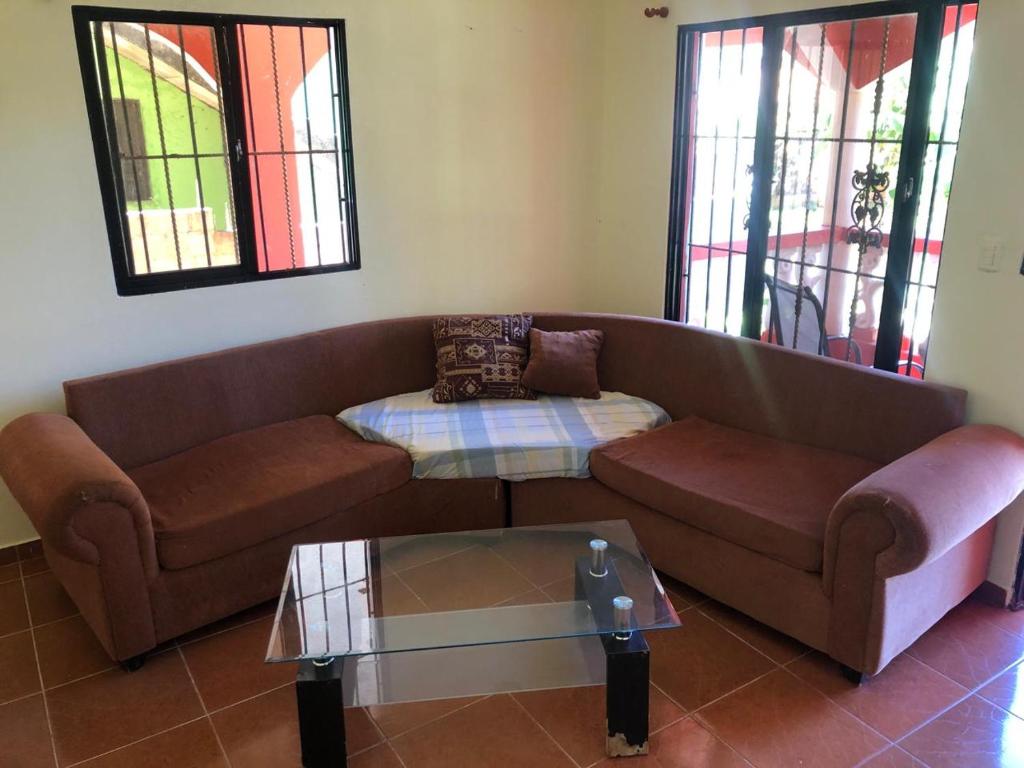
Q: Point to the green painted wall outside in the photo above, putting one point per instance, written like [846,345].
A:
[174,110]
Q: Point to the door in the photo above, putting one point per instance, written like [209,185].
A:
[800,152]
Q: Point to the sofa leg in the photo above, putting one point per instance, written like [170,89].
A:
[852,674]
[134,664]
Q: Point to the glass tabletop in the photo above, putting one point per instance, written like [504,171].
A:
[472,588]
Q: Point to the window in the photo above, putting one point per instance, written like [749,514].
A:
[813,160]
[223,145]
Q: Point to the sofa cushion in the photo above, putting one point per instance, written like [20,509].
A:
[564,363]
[246,488]
[481,357]
[765,494]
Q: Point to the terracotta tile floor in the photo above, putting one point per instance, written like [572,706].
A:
[726,691]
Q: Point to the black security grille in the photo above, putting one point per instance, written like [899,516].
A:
[943,138]
[826,158]
[223,145]
[303,163]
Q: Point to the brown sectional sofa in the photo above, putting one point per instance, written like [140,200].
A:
[846,507]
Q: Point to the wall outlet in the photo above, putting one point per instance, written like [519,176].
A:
[990,254]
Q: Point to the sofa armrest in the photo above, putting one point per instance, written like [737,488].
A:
[920,506]
[912,540]
[55,472]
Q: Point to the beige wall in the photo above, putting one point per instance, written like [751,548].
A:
[473,125]
[978,336]
[509,154]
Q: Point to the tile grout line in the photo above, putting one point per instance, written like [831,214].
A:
[432,560]
[412,591]
[376,726]
[179,643]
[39,670]
[112,667]
[247,699]
[364,750]
[136,741]
[894,742]
[40,624]
[505,603]
[202,704]
[393,751]
[476,700]
[795,676]
[681,708]
[744,641]
[389,741]
[544,730]
[384,741]
[737,689]
[24,696]
[970,693]
[977,687]
[522,575]
[882,751]
[890,742]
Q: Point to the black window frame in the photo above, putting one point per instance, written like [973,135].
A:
[928,38]
[101,125]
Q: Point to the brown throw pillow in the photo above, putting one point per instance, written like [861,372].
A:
[481,357]
[564,363]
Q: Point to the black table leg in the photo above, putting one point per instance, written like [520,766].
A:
[321,714]
[627,654]
[627,693]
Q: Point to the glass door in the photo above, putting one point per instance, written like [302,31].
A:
[838,138]
[800,154]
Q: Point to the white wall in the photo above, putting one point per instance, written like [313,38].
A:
[978,333]
[473,130]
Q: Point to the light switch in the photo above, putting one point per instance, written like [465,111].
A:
[990,254]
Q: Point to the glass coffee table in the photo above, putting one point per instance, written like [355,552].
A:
[413,618]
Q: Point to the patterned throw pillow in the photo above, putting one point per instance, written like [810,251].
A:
[481,357]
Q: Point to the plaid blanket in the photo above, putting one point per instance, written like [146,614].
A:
[511,439]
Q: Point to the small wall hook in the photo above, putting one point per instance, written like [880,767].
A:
[650,13]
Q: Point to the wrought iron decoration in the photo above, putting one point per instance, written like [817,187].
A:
[867,207]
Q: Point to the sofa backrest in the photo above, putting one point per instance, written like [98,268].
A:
[768,389]
[145,414]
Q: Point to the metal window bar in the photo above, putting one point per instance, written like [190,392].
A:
[688,274]
[830,139]
[835,270]
[347,209]
[207,155]
[309,142]
[335,94]
[131,143]
[280,138]
[785,161]
[224,141]
[323,599]
[247,84]
[863,241]
[348,606]
[940,145]
[839,168]
[300,601]
[810,180]
[163,143]
[714,178]
[732,205]
[195,146]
